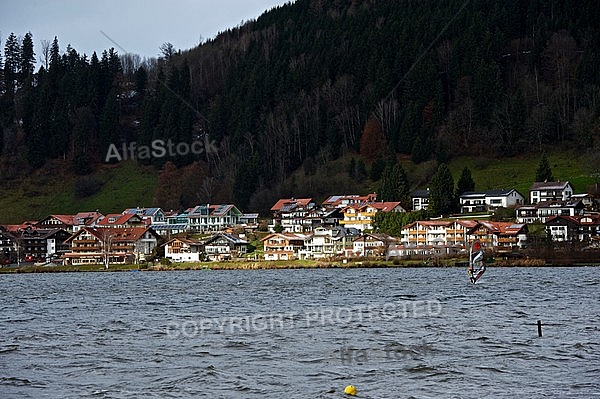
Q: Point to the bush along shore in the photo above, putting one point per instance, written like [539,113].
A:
[292,264]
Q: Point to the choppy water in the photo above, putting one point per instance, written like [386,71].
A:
[422,333]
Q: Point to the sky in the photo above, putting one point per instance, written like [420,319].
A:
[136,26]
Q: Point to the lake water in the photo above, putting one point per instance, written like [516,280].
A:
[392,333]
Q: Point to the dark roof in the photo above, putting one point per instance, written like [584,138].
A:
[488,193]
[550,185]
[420,193]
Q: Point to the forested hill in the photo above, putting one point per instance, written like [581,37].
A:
[310,81]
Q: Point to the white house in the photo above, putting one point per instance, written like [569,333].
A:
[327,242]
[482,201]
[420,200]
[542,211]
[184,250]
[372,244]
[548,191]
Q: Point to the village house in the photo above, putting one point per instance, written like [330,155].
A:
[342,201]
[550,191]
[82,219]
[452,235]
[175,223]
[500,236]
[167,230]
[208,218]
[70,223]
[360,216]
[184,250]
[370,244]
[8,246]
[420,200]
[327,242]
[564,228]
[291,215]
[541,211]
[490,200]
[589,202]
[151,216]
[249,221]
[225,246]
[122,245]
[32,244]
[65,222]
[283,246]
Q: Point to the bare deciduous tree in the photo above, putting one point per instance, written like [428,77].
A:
[45,56]
[107,237]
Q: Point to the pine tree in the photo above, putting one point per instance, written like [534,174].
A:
[394,184]
[543,172]
[465,182]
[27,57]
[54,54]
[141,80]
[12,63]
[441,192]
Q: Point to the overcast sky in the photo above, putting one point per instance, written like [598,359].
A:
[138,26]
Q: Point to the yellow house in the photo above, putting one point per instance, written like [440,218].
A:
[360,216]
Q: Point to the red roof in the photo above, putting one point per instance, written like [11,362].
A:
[118,234]
[87,217]
[67,220]
[302,202]
[385,206]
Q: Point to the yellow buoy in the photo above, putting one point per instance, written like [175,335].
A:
[350,390]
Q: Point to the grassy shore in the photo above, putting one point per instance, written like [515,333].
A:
[270,265]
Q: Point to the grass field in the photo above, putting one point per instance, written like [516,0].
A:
[53,190]
[519,172]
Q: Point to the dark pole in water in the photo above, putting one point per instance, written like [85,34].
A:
[539,328]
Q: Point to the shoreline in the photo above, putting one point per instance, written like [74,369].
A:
[284,265]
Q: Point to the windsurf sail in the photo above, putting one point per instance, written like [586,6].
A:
[476,261]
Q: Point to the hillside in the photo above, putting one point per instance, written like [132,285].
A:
[58,190]
[290,99]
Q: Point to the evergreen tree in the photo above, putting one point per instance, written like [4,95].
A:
[394,184]
[27,57]
[141,80]
[543,172]
[377,169]
[12,63]
[441,192]
[465,182]
[54,54]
